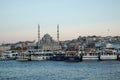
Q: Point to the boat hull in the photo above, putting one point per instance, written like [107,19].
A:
[58,58]
[90,58]
[108,57]
[37,58]
[72,59]
[22,58]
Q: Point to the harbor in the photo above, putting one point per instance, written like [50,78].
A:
[91,48]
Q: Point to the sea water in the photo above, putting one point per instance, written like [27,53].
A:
[59,70]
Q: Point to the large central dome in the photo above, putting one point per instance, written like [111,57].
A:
[47,36]
[47,39]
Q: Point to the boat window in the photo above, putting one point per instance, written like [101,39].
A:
[40,54]
[90,54]
[29,51]
[47,50]
[14,55]
[12,51]
[40,50]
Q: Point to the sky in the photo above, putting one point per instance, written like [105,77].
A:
[19,19]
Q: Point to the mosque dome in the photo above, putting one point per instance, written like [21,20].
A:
[47,36]
[47,39]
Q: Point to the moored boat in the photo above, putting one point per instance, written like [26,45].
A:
[23,57]
[58,56]
[108,55]
[48,55]
[38,54]
[9,55]
[72,56]
[90,55]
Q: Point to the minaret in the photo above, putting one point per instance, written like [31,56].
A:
[58,33]
[38,35]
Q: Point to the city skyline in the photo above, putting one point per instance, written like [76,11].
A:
[19,19]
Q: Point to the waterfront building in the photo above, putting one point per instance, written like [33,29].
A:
[112,46]
[4,47]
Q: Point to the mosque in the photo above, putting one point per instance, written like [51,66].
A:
[47,42]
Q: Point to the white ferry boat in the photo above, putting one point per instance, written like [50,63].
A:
[38,54]
[89,55]
[23,57]
[108,55]
[9,55]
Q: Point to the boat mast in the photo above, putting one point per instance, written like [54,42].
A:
[38,36]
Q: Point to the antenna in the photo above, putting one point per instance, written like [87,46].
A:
[58,33]
[38,35]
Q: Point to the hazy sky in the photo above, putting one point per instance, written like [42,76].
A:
[19,19]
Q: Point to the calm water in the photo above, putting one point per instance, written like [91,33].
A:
[49,70]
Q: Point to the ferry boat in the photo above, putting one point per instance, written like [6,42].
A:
[48,55]
[108,55]
[38,54]
[9,55]
[23,57]
[72,56]
[90,55]
[58,56]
